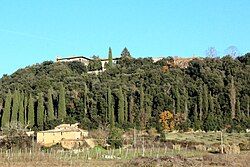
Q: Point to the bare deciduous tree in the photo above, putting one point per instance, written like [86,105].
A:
[232,51]
[211,52]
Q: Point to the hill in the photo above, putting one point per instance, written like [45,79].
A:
[210,94]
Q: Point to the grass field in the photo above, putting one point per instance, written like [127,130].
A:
[209,137]
[158,155]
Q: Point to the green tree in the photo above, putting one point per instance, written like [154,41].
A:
[120,106]
[196,121]
[125,108]
[51,115]
[62,103]
[31,115]
[177,100]
[25,109]
[115,137]
[200,102]
[238,110]
[205,101]
[125,53]
[15,106]
[131,109]
[40,110]
[21,110]
[185,95]
[248,106]
[142,115]
[110,108]
[110,57]
[148,107]
[232,92]
[6,110]
[85,98]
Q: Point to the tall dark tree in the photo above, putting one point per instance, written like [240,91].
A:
[15,106]
[125,108]
[21,109]
[31,115]
[85,98]
[232,92]
[40,110]
[25,109]
[110,57]
[50,110]
[111,108]
[177,100]
[62,103]
[248,106]
[200,102]
[120,106]
[196,121]
[239,114]
[142,116]
[205,101]
[148,107]
[185,96]
[131,109]
[6,110]
[125,53]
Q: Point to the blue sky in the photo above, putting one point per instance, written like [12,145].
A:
[35,31]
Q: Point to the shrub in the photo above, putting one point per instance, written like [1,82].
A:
[115,138]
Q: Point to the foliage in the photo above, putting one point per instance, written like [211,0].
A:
[167,121]
[115,137]
[198,94]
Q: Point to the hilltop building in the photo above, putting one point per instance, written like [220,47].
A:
[177,61]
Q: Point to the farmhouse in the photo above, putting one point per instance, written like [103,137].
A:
[64,132]
[177,61]
[82,59]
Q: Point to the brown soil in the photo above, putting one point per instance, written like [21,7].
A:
[239,160]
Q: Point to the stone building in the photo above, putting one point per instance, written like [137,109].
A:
[63,132]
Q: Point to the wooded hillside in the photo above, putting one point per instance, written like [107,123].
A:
[211,94]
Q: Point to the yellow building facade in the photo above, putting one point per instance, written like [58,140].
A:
[62,132]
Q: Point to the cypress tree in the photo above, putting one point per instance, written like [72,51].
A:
[232,92]
[248,106]
[110,57]
[125,108]
[185,93]
[15,106]
[25,109]
[177,99]
[40,110]
[200,101]
[120,107]
[61,104]
[111,109]
[131,109]
[85,98]
[238,111]
[211,103]
[142,109]
[210,121]
[6,110]
[51,115]
[196,120]
[148,108]
[205,101]
[125,53]
[21,109]
[31,116]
